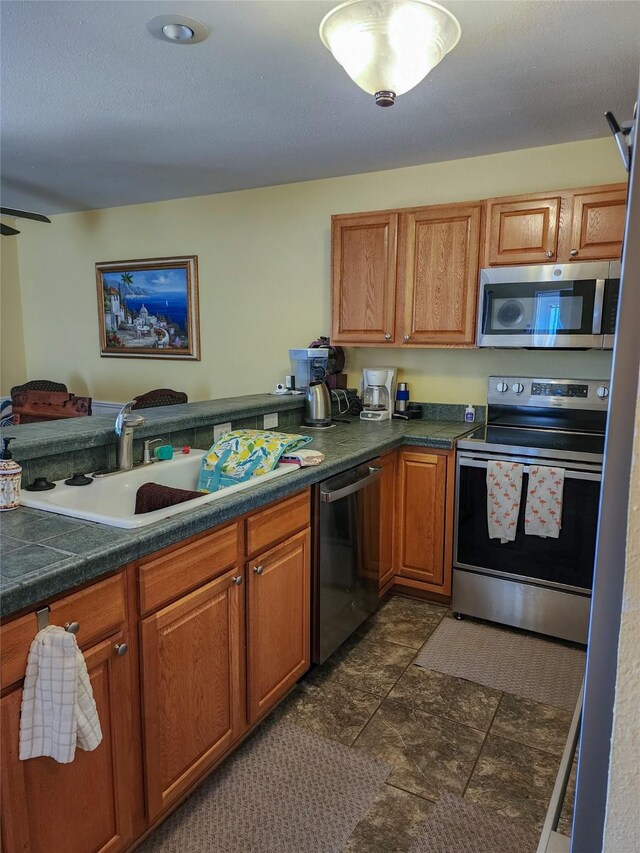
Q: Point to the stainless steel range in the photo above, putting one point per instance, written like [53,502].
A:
[539,583]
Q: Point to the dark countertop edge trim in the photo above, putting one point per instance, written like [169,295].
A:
[22,596]
[104,435]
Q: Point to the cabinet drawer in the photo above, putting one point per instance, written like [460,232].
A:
[277,521]
[175,572]
[98,609]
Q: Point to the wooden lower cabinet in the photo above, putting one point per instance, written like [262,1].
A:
[204,666]
[83,806]
[423,531]
[278,627]
[192,676]
[389,465]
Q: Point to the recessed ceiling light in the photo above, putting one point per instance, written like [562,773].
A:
[178,32]
[177,29]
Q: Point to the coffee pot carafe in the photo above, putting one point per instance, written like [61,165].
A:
[378,392]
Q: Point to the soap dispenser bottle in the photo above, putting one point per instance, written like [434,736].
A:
[10,477]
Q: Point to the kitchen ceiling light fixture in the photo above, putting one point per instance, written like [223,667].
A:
[177,29]
[388,46]
[177,32]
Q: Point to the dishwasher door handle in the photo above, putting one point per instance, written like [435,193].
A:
[372,476]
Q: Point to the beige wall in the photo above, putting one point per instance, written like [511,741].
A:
[12,357]
[622,827]
[264,277]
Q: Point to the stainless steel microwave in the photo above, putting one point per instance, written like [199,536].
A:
[564,306]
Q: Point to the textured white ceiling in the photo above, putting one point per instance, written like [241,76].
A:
[96,112]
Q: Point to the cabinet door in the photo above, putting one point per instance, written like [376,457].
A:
[191,680]
[363,289]
[440,247]
[421,517]
[597,225]
[85,806]
[389,465]
[278,629]
[522,231]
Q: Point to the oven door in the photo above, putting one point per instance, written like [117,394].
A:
[544,306]
[563,563]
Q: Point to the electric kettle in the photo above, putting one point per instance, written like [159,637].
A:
[317,405]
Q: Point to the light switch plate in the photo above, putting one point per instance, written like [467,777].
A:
[220,429]
[271,421]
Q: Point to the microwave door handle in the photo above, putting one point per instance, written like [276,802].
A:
[598,303]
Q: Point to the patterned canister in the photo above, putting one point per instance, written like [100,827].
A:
[10,477]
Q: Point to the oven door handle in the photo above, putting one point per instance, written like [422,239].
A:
[568,472]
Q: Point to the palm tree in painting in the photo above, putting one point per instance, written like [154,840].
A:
[127,279]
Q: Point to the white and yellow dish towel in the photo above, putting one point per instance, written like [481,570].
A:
[504,487]
[245,453]
[58,709]
[543,513]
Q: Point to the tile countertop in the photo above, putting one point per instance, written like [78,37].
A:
[44,554]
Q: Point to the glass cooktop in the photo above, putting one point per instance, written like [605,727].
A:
[544,440]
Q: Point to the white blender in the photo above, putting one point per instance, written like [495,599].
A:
[379,389]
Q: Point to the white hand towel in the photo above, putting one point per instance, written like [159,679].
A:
[543,513]
[58,709]
[504,488]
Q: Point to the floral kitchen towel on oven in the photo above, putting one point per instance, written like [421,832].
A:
[504,487]
[543,513]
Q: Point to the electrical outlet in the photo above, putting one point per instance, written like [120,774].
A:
[271,421]
[219,430]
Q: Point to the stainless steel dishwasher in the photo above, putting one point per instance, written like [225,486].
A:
[347,523]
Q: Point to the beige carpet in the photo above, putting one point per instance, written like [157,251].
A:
[540,670]
[285,790]
[457,826]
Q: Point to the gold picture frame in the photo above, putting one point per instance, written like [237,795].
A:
[149,308]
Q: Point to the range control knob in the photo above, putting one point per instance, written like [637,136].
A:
[501,387]
[517,387]
[602,391]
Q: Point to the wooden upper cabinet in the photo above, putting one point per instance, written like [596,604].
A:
[522,231]
[440,250]
[420,513]
[278,626]
[85,805]
[192,675]
[363,289]
[571,225]
[597,227]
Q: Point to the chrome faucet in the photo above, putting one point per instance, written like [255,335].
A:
[126,422]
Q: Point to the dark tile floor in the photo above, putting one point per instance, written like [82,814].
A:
[438,732]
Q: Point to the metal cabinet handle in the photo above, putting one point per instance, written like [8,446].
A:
[550,254]
[72,627]
[573,253]
[237,579]
[258,570]
[387,337]
[407,337]
[121,649]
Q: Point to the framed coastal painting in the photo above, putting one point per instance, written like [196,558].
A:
[149,308]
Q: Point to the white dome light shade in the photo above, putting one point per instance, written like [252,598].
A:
[389,46]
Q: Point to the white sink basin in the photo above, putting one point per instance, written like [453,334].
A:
[111,500]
